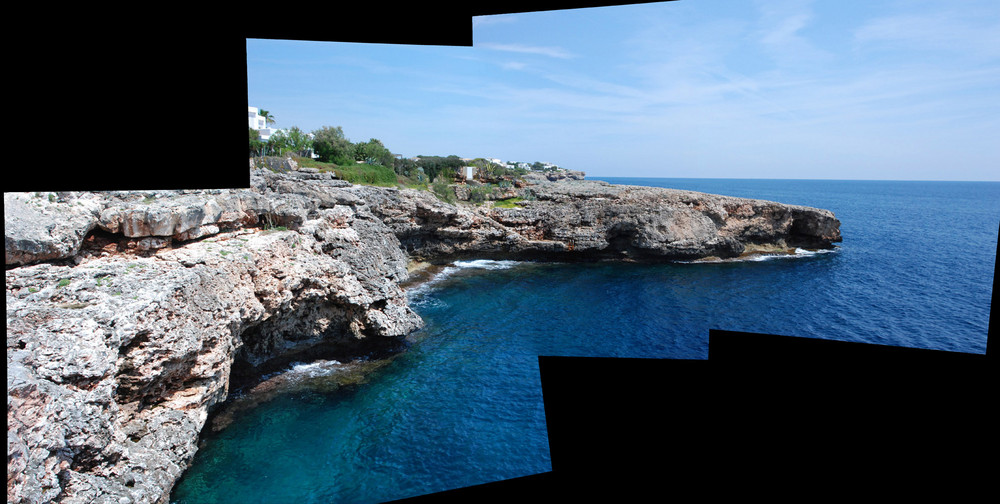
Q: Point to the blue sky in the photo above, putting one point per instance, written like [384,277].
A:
[895,90]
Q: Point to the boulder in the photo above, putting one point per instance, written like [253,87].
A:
[44,227]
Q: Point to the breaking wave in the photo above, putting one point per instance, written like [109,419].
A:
[488,264]
[761,257]
[315,369]
[418,294]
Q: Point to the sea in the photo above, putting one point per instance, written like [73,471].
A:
[463,405]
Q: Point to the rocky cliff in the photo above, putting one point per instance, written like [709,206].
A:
[131,315]
[149,307]
[576,219]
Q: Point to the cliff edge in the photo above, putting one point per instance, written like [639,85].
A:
[131,315]
[575,219]
[149,307]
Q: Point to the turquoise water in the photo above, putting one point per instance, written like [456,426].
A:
[464,406]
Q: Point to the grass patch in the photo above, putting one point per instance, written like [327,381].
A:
[362,173]
[367,174]
[508,203]
[304,162]
[413,183]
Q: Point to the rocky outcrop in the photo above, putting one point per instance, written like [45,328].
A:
[554,176]
[116,355]
[131,316]
[274,163]
[42,226]
[588,220]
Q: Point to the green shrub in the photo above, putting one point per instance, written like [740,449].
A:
[478,195]
[508,203]
[366,174]
[441,189]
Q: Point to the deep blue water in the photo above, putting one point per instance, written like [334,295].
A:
[463,405]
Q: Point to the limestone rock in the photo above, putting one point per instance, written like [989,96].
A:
[587,220]
[44,226]
[114,363]
[172,298]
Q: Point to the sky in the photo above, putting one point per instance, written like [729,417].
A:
[884,90]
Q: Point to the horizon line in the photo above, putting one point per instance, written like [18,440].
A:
[587,176]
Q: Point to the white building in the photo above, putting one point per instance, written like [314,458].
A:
[259,123]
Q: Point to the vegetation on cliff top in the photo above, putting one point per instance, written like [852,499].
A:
[372,163]
[330,145]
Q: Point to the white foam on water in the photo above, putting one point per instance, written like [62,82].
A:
[804,252]
[799,253]
[489,264]
[314,369]
[431,283]
[417,293]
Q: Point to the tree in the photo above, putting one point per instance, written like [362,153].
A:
[373,152]
[298,141]
[405,167]
[268,118]
[434,165]
[277,143]
[256,145]
[331,146]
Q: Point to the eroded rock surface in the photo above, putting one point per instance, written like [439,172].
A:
[115,358]
[131,315]
[587,220]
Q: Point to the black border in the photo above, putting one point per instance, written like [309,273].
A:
[135,101]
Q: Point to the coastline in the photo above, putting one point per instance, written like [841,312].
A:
[145,313]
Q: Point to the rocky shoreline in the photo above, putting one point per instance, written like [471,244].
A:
[132,316]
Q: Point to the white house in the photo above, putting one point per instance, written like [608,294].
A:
[469,172]
[259,123]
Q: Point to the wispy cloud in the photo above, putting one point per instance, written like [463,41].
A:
[781,33]
[513,65]
[481,21]
[552,52]
[964,32]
